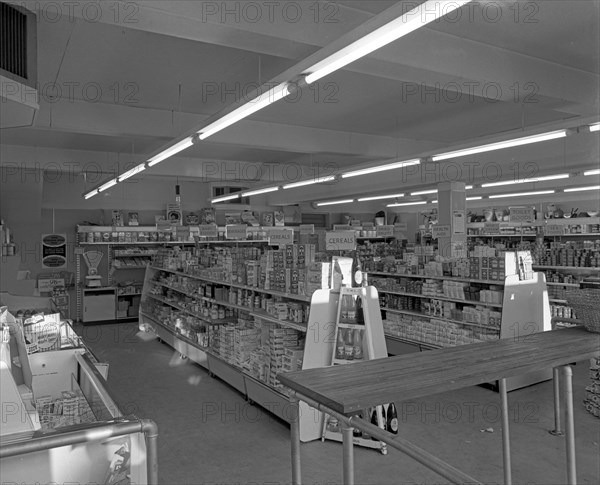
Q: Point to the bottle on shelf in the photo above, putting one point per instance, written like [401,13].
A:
[347,310]
[340,345]
[360,316]
[337,277]
[348,345]
[392,419]
[357,274]
[357,343]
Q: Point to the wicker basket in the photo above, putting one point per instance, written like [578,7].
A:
[585,304]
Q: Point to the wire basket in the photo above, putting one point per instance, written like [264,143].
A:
[585,304]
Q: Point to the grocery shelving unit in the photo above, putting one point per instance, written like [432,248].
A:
[316,353]
[127,251]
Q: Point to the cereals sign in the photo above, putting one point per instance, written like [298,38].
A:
[340,240]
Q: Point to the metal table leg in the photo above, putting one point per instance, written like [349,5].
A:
[569,425]
[295,437]
[348,454]
[557,431]
[505,433]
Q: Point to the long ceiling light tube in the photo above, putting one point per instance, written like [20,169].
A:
[581,189]
[310,182]
[592,172]
[522,194]
[477,197]
[420,202]
[594,127]
[107,185]
[334,202]
[90,194]
[260,191]
[172,150]
[381,168]
[130,173]
[225,198]
[264,99]
[379,197]
[523,181]
[551,135]
[418,17]
[424,192]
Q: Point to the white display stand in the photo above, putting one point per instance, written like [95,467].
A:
[372,349]
[525,311]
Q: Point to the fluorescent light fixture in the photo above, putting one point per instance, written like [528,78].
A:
[594,127]
[410,21]
[424,192]
[309,182]
[264,99]
[592,172]
[522,194]
[500,145]
[379,197]
[224,198]
[333,202]
[434,201]
[169,152]
[90,194]
[420,202]
[260,191]
[523,181]
[468,187]
[130,173]
[107,185]
[381,168]
[479,197]
[581,189]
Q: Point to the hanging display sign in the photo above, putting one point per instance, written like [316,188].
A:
[236,231]
[281,237]
[458,222]
[207,230]
[385,231]
[307,228]
[554,230]
[54,251]
[440,230]
[491,228]
[521,214]
[340,240]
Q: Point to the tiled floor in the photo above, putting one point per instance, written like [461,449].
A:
[208,433]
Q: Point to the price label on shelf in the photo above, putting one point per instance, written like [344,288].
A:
[207,230]
[440,230]
[281,237]
[236,231]
[554,230]
[385,231]
[491,228]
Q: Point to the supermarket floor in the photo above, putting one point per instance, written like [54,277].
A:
[208,433]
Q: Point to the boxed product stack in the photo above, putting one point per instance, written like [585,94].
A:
[246,340]
[279,340]
[258,363]
[292,359]
[455,289]
[227,343]
[317,277]
[433,288]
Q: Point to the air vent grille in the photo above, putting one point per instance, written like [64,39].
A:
[13,41]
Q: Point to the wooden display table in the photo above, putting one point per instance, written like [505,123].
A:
[343,391]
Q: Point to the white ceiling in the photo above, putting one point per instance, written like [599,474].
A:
[149,71]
